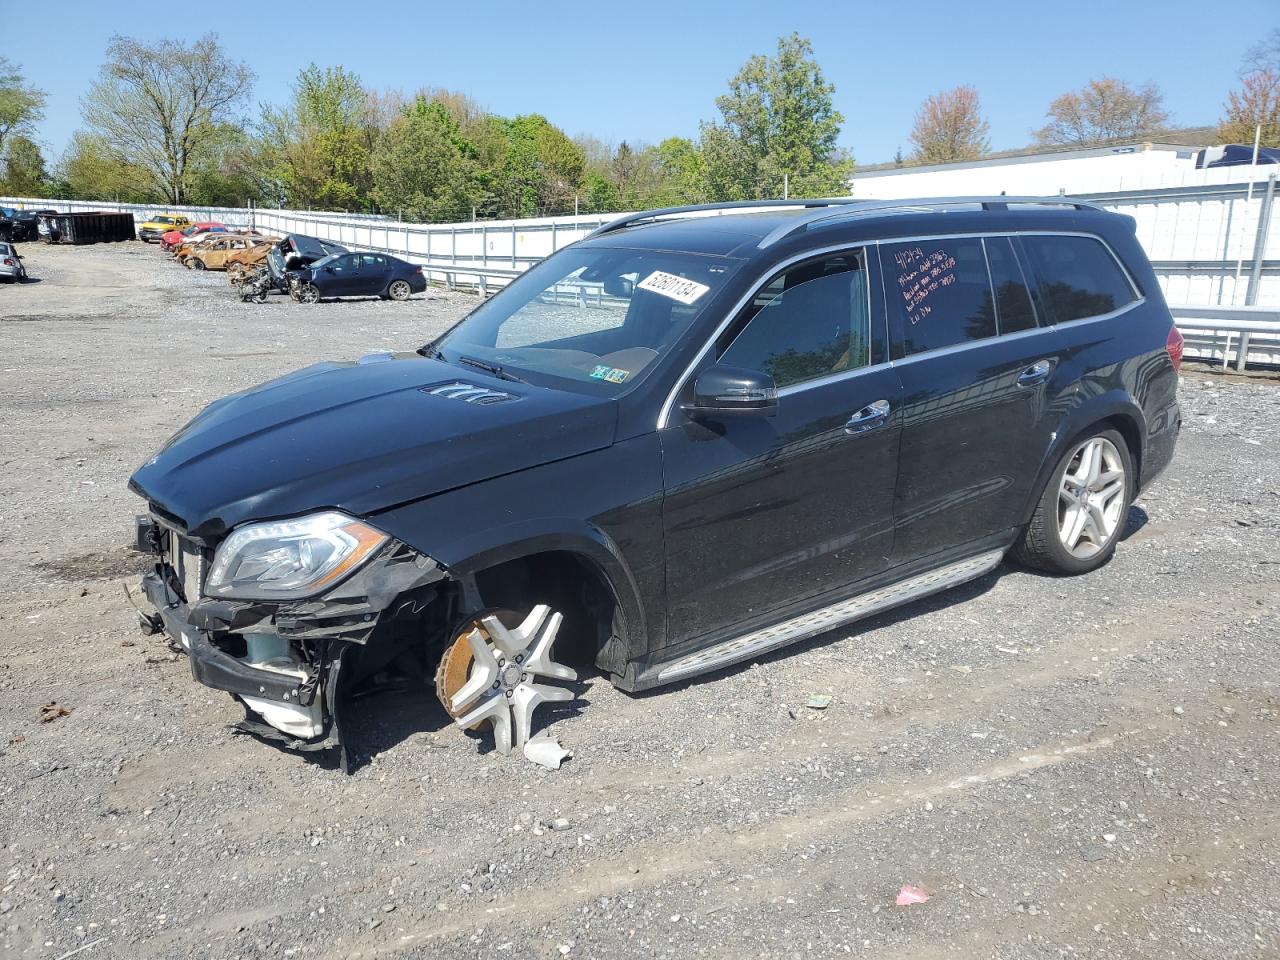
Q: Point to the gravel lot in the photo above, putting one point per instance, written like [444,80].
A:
[1081,767]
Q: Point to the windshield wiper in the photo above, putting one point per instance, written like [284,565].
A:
[492,368]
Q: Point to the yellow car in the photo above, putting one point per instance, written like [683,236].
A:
[160,224]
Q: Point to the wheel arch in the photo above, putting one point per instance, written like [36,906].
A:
[583,559]
[1116,411]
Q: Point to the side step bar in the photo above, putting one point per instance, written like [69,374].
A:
[819,621]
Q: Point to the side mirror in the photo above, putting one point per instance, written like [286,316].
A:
[329,268]
[722,390]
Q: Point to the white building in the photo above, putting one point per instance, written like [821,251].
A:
[1139,166]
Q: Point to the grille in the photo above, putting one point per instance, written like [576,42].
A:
[188,565]
[468,393]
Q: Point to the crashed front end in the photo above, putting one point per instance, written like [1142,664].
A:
[290,616]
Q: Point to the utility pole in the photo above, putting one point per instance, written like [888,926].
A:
[786,186]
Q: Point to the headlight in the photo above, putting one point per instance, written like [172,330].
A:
[290,559]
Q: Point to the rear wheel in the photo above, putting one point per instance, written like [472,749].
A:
[1082,512]
[399,290]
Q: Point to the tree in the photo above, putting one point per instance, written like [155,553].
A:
[22,173]
[542,170]
[91,171]
[1103,111]
[683,172]
[777,124]
[21,106]
[163,106]
[1256,102]
[318,147]
[950,127]
[424,167]
[1263,55]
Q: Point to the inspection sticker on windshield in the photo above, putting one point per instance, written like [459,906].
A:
[612,374]
[669,285]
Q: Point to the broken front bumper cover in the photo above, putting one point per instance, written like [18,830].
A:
[292,701]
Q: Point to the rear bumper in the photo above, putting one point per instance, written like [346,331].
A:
[1162,437]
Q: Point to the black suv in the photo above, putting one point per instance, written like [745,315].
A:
[679,443]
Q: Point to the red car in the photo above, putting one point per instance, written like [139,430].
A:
[174,237]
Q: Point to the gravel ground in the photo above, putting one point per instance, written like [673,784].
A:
[1080,767]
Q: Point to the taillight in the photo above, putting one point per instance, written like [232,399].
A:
[1173,344]
[10,263]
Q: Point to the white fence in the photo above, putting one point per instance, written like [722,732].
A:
[1210,244]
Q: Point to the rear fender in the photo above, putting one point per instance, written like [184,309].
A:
[1114,405]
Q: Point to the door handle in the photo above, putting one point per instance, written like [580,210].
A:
[1038,372]
[868,418]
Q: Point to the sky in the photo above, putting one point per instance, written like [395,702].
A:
[643,71]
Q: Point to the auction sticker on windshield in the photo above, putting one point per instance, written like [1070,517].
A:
[669,285]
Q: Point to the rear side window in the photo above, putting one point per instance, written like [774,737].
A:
[939,291]
[1014,311]
[810,322]
[1078,277]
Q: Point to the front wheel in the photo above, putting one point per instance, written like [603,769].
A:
[1082,511]
[307,293]
[197,264]
[399,290]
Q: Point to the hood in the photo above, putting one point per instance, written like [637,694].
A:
[361,437]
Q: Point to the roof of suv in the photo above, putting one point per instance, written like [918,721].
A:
[748,227]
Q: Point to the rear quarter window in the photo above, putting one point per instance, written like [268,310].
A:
[1078,277]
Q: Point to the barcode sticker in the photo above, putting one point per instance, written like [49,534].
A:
[669,285]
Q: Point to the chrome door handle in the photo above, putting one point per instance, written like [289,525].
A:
[1038,372]
[868,418]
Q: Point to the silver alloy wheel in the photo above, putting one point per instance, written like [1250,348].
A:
[501,687]
[399,290]
[308,293]
[1091,498]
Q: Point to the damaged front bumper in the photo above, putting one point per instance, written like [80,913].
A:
[287,662]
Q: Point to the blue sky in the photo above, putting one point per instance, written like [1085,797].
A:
[643,71]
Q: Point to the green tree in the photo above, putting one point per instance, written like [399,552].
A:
[777,124]
[682,171]
[599,195]
[424,167]
[542,171]
[318,147]
[21,106]
[163,107]
[22,172]
[92,171]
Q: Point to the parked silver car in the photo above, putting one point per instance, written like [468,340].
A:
[11,268]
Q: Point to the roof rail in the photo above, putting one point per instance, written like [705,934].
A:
[631,219]
[874,207]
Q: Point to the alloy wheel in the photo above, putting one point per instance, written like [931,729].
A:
[308,293]
[1091,498]
[399,290]
[491,672]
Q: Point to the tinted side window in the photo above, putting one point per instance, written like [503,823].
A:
[810,322]
[1014,311]
[939,291]
[1078,277]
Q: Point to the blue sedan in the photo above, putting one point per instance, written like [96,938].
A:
[356,275]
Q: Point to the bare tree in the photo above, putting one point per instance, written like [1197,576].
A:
[1263,55]
[1105,110]
[949,126]
[1257,102]
[20,105]
[165,106]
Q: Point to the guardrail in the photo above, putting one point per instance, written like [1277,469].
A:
[1243,322]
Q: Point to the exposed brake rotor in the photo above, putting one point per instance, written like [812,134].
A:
[490,672]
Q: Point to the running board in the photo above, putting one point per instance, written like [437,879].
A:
[819,621]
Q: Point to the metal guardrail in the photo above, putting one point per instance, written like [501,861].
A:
[1242,321]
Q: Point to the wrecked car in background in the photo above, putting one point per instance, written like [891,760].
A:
[241,263]
[673,446]
[212,254]
[156,226]
[294,252]
[173,238]
[357,275]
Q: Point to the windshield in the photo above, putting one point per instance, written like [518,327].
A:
[594,316]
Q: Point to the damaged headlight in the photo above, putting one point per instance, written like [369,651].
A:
[290,559]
